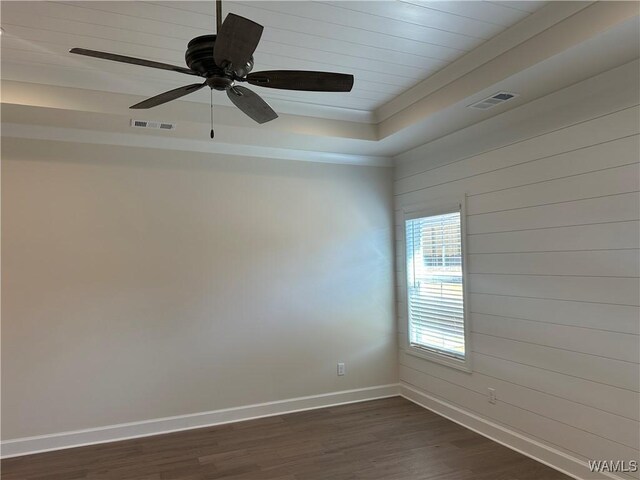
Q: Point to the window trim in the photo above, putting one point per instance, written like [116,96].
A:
[438,207]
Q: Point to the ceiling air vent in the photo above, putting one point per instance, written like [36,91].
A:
[493,100]
[152,124]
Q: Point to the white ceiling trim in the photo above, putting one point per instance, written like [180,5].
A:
[81,100]
[76,135]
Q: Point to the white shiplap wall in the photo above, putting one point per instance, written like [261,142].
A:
[553,261]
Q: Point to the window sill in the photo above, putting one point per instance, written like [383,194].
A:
[464,365]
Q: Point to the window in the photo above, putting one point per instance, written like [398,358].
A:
[435,286]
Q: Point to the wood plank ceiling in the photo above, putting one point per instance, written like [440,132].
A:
[388,45]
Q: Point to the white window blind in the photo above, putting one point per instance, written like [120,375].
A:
[435,284]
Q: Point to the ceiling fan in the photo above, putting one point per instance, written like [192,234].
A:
[226,59]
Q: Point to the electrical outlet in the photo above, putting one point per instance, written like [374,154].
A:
[492,395]
[340,369]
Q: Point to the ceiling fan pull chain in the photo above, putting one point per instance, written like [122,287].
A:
[211,107]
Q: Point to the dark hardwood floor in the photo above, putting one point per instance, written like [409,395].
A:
[390,439]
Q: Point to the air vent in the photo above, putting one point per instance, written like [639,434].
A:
[493,100]
[152,124]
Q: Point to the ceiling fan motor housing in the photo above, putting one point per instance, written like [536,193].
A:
[199,58]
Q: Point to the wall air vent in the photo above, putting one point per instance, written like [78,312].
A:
[152,124]
[493,100]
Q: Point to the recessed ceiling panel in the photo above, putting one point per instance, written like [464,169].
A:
[388,46]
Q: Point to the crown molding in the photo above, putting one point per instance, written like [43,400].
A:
[78,135]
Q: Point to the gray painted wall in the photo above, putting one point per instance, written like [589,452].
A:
[140,284]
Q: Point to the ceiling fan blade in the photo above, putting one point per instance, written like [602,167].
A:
[251,104]
[168,96]
[236,41]
[302,80]
[132,60]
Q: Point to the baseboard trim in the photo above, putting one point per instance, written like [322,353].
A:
[556,459]
[79,438]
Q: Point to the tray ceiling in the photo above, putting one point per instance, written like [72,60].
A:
[389,46]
